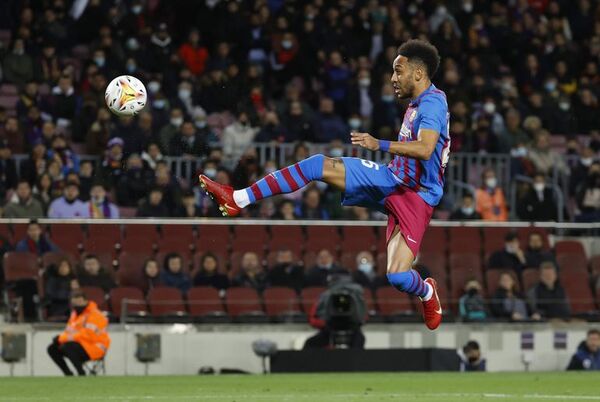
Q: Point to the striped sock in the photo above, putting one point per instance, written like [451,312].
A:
[283,181]
[410,282]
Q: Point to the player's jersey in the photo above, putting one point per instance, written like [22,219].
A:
[429,110]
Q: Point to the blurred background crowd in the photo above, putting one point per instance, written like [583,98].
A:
[521,78]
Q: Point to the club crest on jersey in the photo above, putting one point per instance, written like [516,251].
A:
[405,131]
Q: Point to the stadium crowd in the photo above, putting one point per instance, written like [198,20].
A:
[521,78]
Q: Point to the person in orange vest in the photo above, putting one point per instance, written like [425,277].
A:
[85,337]
[490,201]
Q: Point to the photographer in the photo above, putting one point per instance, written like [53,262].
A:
[339,314]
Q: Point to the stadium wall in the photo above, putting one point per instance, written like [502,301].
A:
[186,348]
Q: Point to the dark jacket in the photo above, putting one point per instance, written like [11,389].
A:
[317,276]
[57,290]
[534,258]
[178,280]
[504,259]
[44,245]
[152,211]
[531,208]
[584,359]
[549,303]
[102,280]
[503,306]
[259,282]
[287,275]
[217,280]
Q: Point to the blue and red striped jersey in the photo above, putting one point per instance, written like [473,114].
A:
[430,111]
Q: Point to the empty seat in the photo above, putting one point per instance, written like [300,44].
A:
[529,277]
[67,237]
[348,260]
[578,292]
[145,232]
[250,238]
[95,294]
[493,239]
[492,276]
[181,245]
[127,297]
[287,237]
[391,302]
[102,238]
[138,245]
[573,263]
[463,267]
[213,238]
[310,296]
[464,240]
[184,233]
[358,238]
[19,231]
[434,240]
[381,239]
[166,301]
[205,302]
[281,302]
[243,302]
[320,237]
[19,266]
[130,272]
[570,247]
[309,260]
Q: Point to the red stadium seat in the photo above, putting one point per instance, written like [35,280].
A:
[130,272]
[464,240]
[463,267]
[381,239]
[434,240]
[310,296]
[348,260]
[579,293]
[435,262]
[166,301]
[55,258]
[572,263]
[97,295]
[184,233]
[391,302]
[135,301]
[281,302]
[205,302]
[493,239]
[181,245]
[272,259]
[67,237]
[287,237]
[492,276]
[320,237]
[570,247]
[250,238]
[381,262]
[6,232]
[309,260]
[20,266]
[243,303]
[147,233]
[215,238]
[102,238]
[19,231]
[529,277]
[358,238]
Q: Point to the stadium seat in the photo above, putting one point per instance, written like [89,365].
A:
[184,233]
[56,257]
[6,232]
[309,260]
[102,238]
[250,238]
[392,303]
[571,247]
[381,239]
[463,267]
[243,305]
[287,237]
[493,240]
[434,240]
[176,245]
[19,231]
[272,258]
[464,240]
[358,238]
[281,303]
[206,304]
[529,277]
[97,295]
[348,260]
[310,296]
[320,237]
[166,301]
[435,262]
[492,277]
[381,262]
[572,262]
[138,245]
[20,266]
[67,237]
[215,238]
[579,293]
[136,305]
[130,272]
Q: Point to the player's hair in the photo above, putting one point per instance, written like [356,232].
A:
[423,52]
[594,331]
[510,236]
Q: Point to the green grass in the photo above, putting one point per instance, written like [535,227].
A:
[421,387]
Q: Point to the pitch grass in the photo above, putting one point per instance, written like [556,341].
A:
[421,387]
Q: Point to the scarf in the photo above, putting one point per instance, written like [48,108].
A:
[100,211]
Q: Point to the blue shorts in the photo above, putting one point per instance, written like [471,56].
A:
[368,184]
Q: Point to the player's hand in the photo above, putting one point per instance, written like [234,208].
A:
[365,140]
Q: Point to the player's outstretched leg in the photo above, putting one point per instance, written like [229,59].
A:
[401,275]
[286,180]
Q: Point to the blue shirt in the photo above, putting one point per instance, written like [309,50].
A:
[428,111]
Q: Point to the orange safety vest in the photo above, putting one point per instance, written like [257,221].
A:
[492,207]
[89,330]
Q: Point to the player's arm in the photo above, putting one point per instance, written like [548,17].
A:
[419,149]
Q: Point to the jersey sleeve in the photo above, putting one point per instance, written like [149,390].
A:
[433,111]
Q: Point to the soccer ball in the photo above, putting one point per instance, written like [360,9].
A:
[125,96]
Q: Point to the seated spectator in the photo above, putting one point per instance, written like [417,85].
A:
[535,255]
[43,191]
[187,142]
[133,185]
[173,275]
[93,274]
[36,241]
[317,275]
[188,208]
[237,137]
[587,356]
[113,163]
[209,274]
[548,298]
[511,256]
[329,126]
[151,274]
[286,211]
[506,303]
[86,180]
[24,205]
[538,203]
[472,305]
[59,281]
[491,203]
[152,155]
[466,211]
[311,205]
[543,157]
[153,206]
[472,358]
[286,272]
[69,205]
[252,274]
[99,207]
[588,196]
[8,170]
[366,274]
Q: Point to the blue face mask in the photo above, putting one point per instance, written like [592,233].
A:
[387,98]
[159,104]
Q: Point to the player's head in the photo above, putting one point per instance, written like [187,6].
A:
[415,65]
[593,340]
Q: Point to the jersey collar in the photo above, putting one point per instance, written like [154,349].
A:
[417,100]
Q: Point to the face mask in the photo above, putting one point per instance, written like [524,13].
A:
[131,68]
[184,94]
[98,200]
[489,107]
[99,61]
[564,106]
[366,268]
[200,123]
[210,172]
[491,182]
[387,98]
[154,86]
[132,44]
[468,7]
[587,162]
[518,152]
[19,52]
[550,86]
[472,292]
[364,82]
[336,152]
[467,210]
[159,104]
[328,266]
[538,187]
[286,44]
[354,123]
[136,9]
[473,360]
[177,121]
[79,309]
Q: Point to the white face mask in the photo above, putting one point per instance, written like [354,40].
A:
[154,86]
[177,121]
[336,152]
[491,182]
[210,172]
[184,94]
[366,268]
[587,162]
[539,186]
[354,123]
[489,107]
[364,82]
[467,210]
[200,123]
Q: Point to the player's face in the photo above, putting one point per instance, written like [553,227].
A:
[403,78]
[593,342]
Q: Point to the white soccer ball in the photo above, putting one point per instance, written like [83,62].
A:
[125,96]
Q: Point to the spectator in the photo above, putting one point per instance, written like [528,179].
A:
[330,126]
[535,255]
[548,298]
[25,205]
[193,54]
[151,274]
[164,180]
[286,211]
[153,206]
[151,156]
[511,257]
[36,241]
[587,356]
[84,339]
[99,207]
[491,203]
[471,305]
[60,151]
[43,191]
[113,163]
[544,159]
[252,274]
[466,211]
[472,358]
[209,273]
[366,274]
[8,170]
[311,205]
[63,103]
[298,124]
[11,135]
[325,266]
[69,205]
[173,273]
[86,180]
[237,137]
[588,196]
[188,208]
[133,185]
[18,65]
[506,303]
[385,112]
[93,274]
[187,142]
[59,281]
[286,272]
[538,203]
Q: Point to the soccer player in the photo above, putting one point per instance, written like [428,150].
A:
[407,189]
